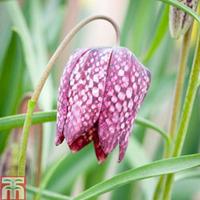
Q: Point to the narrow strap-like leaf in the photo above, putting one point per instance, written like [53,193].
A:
[15,121]
[156,168]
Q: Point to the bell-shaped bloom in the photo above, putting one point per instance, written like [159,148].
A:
[100,93]
[179,21]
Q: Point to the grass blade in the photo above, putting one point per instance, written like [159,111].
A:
[11,78]
[159,35]
[154,169]
[15,121]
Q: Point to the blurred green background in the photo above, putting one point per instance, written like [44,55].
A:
[30,31]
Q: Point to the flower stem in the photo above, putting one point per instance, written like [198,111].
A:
[186,114]
[179,84]
[176,105]
[38,149]
[25,134]
[62,46]
[38,89]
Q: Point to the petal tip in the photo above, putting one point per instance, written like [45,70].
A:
[120,159]
[58,140]
[101,156]
[101,161]
[73,151]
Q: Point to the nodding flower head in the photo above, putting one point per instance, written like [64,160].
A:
[100,93]
[179,21]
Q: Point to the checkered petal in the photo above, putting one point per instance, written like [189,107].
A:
[85,94]
[100,93]
[126,84]
[63,100]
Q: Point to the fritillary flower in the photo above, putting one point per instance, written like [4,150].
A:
[180,21]
[100,93]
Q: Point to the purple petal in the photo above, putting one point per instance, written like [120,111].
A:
[100,93]
[121,100]
[87,85]
[111,121]
[63,91]
[140,81]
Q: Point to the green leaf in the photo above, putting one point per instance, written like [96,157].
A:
[151,125]
[96,174]
[127,22]
[193,135]
[48,175]
[125,192]
[156,168]
[134,32]
[5,33]
[11,77]
[142,24]
[138,160]
[19,23]
[183,7]
[16,121]
[35,55]
[187,189]
[41,117]
[188,174]
[161,30]
[34,66]
[69,170]
[11,80]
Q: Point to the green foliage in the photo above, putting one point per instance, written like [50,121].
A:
[11,77]
[147,171]
[172,165]
[29,34]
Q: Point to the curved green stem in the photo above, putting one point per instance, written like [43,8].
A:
[37,91]
[151,125]
[62,46]
[186,114]
[15,121]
